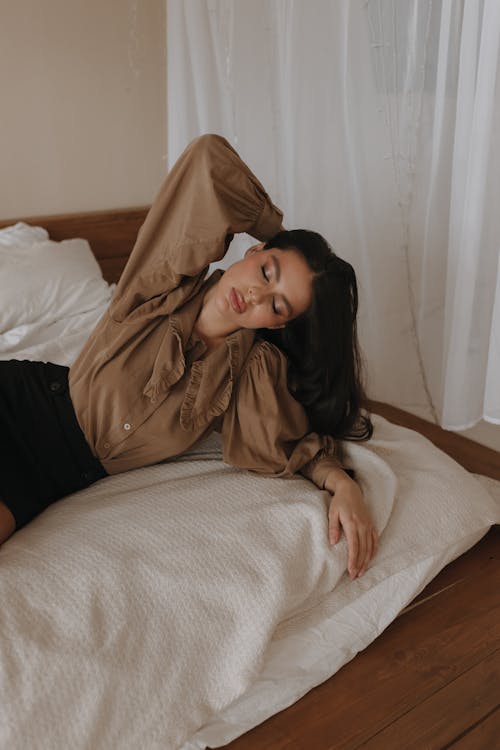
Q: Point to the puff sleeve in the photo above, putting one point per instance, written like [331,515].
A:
[266,430]
[209,195]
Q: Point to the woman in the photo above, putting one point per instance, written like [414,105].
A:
[263,353]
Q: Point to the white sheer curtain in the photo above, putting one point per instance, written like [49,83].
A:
[376,123]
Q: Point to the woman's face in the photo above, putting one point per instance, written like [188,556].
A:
[266,289]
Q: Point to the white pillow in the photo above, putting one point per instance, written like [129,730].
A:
[441,511]
[42,281]
[60,341]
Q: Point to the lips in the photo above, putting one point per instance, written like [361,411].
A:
[237,301]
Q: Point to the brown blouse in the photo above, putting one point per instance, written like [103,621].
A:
[142,389]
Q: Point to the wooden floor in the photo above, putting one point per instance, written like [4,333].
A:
[431,681]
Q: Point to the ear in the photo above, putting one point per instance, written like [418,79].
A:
[255,249]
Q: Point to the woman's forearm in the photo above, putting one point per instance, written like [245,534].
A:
[335,477]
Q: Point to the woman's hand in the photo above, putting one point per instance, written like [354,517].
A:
[348,511]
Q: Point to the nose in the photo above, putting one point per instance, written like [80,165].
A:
[254,296]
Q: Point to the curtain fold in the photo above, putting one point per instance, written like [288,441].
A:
[376,123]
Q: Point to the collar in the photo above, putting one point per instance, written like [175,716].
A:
[170,363]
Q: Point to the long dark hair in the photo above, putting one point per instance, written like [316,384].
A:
[321,345]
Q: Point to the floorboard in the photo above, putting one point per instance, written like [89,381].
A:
[481,736]
[448,713]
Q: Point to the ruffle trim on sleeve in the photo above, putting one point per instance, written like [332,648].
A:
[266,429]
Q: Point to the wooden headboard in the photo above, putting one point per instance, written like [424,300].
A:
[111,234]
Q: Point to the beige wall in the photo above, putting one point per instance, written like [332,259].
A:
[83,113]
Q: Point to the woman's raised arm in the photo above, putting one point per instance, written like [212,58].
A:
[208,196]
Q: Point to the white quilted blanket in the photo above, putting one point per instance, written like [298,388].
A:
[135,611]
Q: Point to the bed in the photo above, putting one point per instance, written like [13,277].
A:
[180,605]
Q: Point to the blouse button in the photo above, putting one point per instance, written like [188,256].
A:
[126,426]
[106,445]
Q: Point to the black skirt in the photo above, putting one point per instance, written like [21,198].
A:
[43,452]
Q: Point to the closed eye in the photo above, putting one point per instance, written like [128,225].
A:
[276,311]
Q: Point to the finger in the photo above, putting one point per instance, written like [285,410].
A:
[375,542]
[361,549]
[353,547]
[373,547]
[334,527]
[368,552]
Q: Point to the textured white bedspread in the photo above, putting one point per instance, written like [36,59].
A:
[135,611]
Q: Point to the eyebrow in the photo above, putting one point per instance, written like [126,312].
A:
[277,271]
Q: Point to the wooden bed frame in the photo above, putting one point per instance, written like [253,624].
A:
[442,661]
[111,234]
